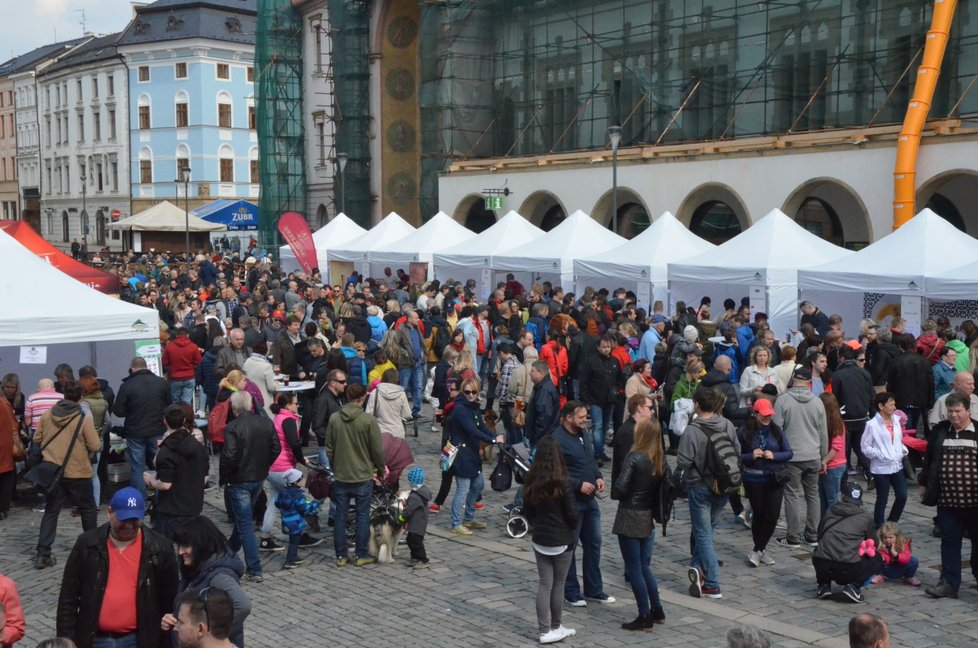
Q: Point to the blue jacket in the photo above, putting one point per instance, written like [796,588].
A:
[722,348]
[357,367]
[578,454]
[943,378]
[542,412]
[468,429]
[378,327]
[224,572]
[745,335]
[646,348]
[294,507]
[761,471]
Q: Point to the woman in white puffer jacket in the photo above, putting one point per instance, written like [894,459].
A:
[388,403]
[882,443]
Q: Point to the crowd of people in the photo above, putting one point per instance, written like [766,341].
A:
[710,408]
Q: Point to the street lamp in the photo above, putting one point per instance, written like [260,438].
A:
[185,177]
[341,160]
[84,217]
[614,134]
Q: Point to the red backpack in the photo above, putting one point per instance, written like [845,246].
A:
[217,420]
[931,346]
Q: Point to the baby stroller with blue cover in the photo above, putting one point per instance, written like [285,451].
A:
[518,456]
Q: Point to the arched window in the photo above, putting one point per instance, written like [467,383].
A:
[143,104]
[64,226]
[253,169]
[715,221]
[145,165]
[224,110]
[226,157]
[182,116]
[183,160]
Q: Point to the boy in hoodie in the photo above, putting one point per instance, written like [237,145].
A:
[180,360]
[838,556]
[181,474]
[415,517]
[356,367]
[378,327]
[294,507]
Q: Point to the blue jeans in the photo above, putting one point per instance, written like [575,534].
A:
[412,380]
[467,491]
[183,390]
[705,509]
[901,571]
[128,641]
[242,499]
[602,421]
[883,482]
[293,551]
[588,533]
[342,493]
[140,451]
[829,485]
[637,555]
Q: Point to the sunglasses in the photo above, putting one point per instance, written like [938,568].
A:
[470,392]
[860,359]
[202,597]
[341,382]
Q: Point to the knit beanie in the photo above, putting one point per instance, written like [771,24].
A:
[690,333]
[416,476]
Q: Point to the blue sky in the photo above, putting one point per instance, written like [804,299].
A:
[27,24]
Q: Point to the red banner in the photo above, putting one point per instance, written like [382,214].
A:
[295,230]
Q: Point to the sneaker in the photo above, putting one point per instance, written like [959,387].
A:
[823,591]
[766,559]
[565,632]
[479,506]
[508,508]
[912,581]
[877,579]
[43,561]
[306,541]
[298,560]
[342,562]
[811,542]
[790,544]
[602,598]
[254,577]
[38,508]
[290,565]
[413,562]
[421,564]
[366,560]
[744,519]
[269,544]
[941,590]
[853,593]
[552,636]
[575,602]
[434,508]
[461,531]
[695,582]
[474,525]
[712,592]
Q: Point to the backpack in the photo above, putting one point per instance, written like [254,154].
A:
[931,347]
[438,341]
[217,420]
[669,491]
[722,462]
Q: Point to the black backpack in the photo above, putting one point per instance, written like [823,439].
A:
[722,462]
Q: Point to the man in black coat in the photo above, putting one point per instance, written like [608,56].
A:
[601,378]
[88,609]
[543,411]
[719,378]
[853,386]
[910,379]
[141,399]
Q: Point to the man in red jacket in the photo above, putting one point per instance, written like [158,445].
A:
[181,357]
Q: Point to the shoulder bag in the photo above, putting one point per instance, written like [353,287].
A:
[46,474]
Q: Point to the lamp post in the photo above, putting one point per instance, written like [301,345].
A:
[84,217]
[341,160]
[185,177]
[614,134]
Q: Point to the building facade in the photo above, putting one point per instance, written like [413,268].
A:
[84,148]
[191,90]
[9,201]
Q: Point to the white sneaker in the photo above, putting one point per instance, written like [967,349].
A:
[551,637]
[744,519]
[754,558]
[565,632]
[766,558]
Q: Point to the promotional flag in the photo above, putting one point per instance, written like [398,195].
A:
[295,230]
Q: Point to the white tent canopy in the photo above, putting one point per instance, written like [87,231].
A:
[762,262]
[958,283]
[903,262]
[474,259]
[70,321]
[337,232]
[391,228]
[552,255]
[642,261]
[440,233]
[165,217]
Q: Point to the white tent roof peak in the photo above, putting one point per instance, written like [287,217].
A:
[166,217]
[509,232]
[577,237]
[441,232]
[391,228]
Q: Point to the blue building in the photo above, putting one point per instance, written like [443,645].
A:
[192,101]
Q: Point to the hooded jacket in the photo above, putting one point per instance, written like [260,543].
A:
[388,403]
[354,445]
[141,400]
[223,572]
[802,417]
[182,462]
[378,327]
[694,446]
[359,327]
[885,453]
[415,511]
[356,366]
[468,429]
[843,527]
[181,357]
[54,432]
[853,386]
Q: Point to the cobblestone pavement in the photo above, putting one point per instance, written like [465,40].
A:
[479,590]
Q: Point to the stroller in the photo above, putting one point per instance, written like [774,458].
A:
[518,456]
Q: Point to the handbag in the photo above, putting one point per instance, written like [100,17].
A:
[319,484]
[46,474]
[781,475]
[908,470]
[448,454]
[502,475]
[20,453]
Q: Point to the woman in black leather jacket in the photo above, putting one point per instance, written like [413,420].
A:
[550,506]
[637,492]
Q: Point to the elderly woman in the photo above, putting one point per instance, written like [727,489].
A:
[641,380]
[758,374]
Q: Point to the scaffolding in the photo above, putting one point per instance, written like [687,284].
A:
[278,57]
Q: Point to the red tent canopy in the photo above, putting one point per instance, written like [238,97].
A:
[26,236]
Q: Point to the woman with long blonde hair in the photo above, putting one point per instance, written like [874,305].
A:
[637,490]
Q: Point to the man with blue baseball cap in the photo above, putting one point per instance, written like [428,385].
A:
[119,581]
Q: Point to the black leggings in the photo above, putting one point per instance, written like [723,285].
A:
[765,501]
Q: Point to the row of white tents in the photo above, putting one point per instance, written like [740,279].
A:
[774,262]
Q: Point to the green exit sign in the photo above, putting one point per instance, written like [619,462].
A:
[494,202]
